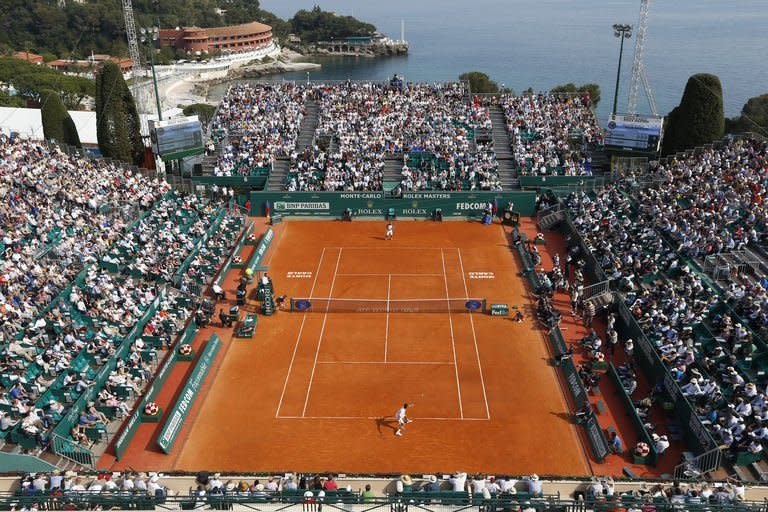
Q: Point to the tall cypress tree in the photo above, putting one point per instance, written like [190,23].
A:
[57,123]
[699,119]
[117,121]
[53,113]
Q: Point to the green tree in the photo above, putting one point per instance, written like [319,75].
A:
[53,113]
[571,88]
[479,82]
[753,118]
[318,25]
[71,136]
[164,56]
[117,121]
[6,100]
[31,80]
[699,119]
[57,123]
[203,111]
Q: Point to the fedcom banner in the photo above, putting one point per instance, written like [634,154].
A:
[377,204]
[177,415]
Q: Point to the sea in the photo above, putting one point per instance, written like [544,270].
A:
[543,43]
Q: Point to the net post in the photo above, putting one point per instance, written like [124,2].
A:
[292,305]
[485,308]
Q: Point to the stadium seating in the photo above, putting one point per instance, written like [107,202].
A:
[254,124]
[548,132]
[650,240]
[74,361]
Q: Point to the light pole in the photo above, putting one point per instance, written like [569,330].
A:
[623,32]
[149,36]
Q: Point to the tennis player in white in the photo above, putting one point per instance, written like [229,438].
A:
[390,235]
[402,418]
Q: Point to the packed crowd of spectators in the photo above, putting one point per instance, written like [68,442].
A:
[58,332]
[544,128]
[462,171]
[62,204]
[162,240]
[677,494]
[642,237]
[317,170]
[260,122]
[61,485]
[372,120]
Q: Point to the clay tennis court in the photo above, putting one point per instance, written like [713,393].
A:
[317,390]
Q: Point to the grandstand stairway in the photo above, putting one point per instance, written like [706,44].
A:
[279,174]
[601,164]
[503,149]
[306,138]
[308,125]
[333,145]
[392,173]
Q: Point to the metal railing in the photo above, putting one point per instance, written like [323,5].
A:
[698,467]
[596,290]
[623,165]
[70,450]
[441,501]
[545,212]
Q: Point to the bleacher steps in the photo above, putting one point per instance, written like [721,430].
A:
[279,174]
[501,141]
[503,149]
[308,125]
[600,163]
[393,171]
[551,220]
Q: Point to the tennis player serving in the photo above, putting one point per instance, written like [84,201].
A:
[402,418]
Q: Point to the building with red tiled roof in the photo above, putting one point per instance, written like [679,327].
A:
[29,57]
[93,62]
[232,39]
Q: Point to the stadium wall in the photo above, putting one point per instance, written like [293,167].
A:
[378,204]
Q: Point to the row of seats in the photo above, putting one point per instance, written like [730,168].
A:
[712,340]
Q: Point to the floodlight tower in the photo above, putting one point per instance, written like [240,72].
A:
[137,71]
[638,65]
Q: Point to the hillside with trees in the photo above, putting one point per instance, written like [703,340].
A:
[33,82]
[318,25]
[78,29]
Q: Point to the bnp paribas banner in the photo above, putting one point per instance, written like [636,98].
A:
[410,204]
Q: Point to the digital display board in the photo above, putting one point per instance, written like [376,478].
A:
[634,133]
[177,138]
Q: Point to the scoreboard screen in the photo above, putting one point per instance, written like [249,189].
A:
[177,138]
[634,133]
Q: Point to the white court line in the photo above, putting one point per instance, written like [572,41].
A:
[396,275]
[274,249]
[453,340]
[474,338]
[298,336]
[386,331]
[393,247]
[320,338]
[417,419]
[444,363]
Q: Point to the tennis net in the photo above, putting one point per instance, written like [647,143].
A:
[339,305]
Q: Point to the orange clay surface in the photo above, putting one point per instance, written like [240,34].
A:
[318,391]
